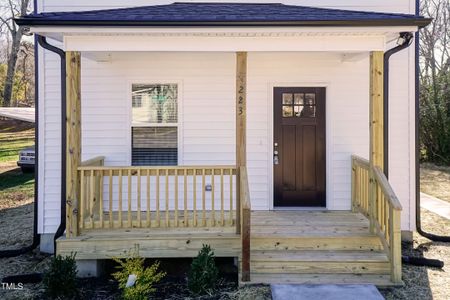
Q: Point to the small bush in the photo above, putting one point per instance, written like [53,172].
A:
[203,274]
[145,277]
[60,280]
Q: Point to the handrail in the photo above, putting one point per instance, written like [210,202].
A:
[95,161]
[373,196]
[387,188]
[245,223]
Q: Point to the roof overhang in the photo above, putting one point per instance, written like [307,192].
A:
[349,39]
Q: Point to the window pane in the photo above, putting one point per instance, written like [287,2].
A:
[299,99]
[287,98]
[155,146]
[287,111]
[154,103]
[310,99]
[298,110]
[308,111]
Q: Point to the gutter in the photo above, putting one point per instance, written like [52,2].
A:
[407,39]
[36,236]
[62,225]
[430,236]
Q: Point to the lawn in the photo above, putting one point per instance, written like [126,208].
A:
[16,188]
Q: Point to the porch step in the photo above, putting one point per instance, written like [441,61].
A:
[316,241]
[319,262]
[316,247]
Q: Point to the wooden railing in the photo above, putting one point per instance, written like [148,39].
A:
[245,223]
[373,196]
[145,197]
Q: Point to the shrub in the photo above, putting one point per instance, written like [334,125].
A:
[203,274]
[60,280]
[145,278]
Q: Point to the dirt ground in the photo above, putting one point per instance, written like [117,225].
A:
[435,181]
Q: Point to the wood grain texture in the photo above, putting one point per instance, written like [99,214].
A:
[73,140]
[241,125]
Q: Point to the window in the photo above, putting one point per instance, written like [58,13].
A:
[299,105]
[154,126]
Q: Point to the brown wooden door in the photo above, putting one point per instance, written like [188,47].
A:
[299,146]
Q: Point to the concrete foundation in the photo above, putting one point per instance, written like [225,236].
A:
[46,243]
[89,268]
[407,236]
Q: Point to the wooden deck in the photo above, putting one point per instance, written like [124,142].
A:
[286,246]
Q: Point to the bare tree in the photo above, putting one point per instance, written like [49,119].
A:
[435,81]
[10,10]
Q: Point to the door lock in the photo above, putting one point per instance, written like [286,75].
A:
[276,159]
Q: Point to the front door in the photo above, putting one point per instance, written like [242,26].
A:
[299,146]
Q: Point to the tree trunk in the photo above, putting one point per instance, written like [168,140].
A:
[12,62]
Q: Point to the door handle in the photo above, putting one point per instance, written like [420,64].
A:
[276,159]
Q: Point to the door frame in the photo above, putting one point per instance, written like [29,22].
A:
[328,142]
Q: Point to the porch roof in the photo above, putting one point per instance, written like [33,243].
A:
[222,14]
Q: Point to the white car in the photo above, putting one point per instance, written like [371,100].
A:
[26,159]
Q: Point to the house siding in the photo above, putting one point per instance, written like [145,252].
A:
[208,87]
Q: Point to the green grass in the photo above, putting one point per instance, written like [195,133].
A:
[14,136]
[15,186]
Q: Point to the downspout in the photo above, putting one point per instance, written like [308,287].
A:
[36,237]
[406,42]
[433,237]
[62,225]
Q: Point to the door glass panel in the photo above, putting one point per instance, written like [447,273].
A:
[310,99]
[298,110]
[287,98]
[309,111]
[299,99]
[287,111]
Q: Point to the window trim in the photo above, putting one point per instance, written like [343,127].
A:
[179,124]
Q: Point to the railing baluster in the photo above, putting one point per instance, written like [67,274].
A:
[195,195]
[203,199]
[91,197]
[222,216]
[110,191]
[231,197]
[167,199]
[176,198]
[139,198]
[158,217]
[213,213]
[130,224]
[186,224]
[100,198]
[82,198]
[149,221]
[120,198]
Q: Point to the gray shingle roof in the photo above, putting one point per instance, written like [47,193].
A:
[211,14]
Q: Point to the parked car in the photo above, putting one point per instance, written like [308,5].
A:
[26,159]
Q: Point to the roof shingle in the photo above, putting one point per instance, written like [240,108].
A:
[191,14]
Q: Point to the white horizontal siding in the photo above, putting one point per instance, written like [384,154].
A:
[208,88]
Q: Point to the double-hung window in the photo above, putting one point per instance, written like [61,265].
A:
[154,126]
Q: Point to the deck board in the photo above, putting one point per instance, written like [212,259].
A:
[286,246]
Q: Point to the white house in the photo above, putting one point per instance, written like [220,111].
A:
[179,113]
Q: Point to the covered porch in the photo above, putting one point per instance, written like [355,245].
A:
[170,211]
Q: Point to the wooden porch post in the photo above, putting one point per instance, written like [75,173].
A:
[376,155]
[73,140]
[241,126]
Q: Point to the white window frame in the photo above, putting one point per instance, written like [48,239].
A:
[178,124]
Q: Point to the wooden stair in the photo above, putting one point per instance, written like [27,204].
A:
[315,247]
